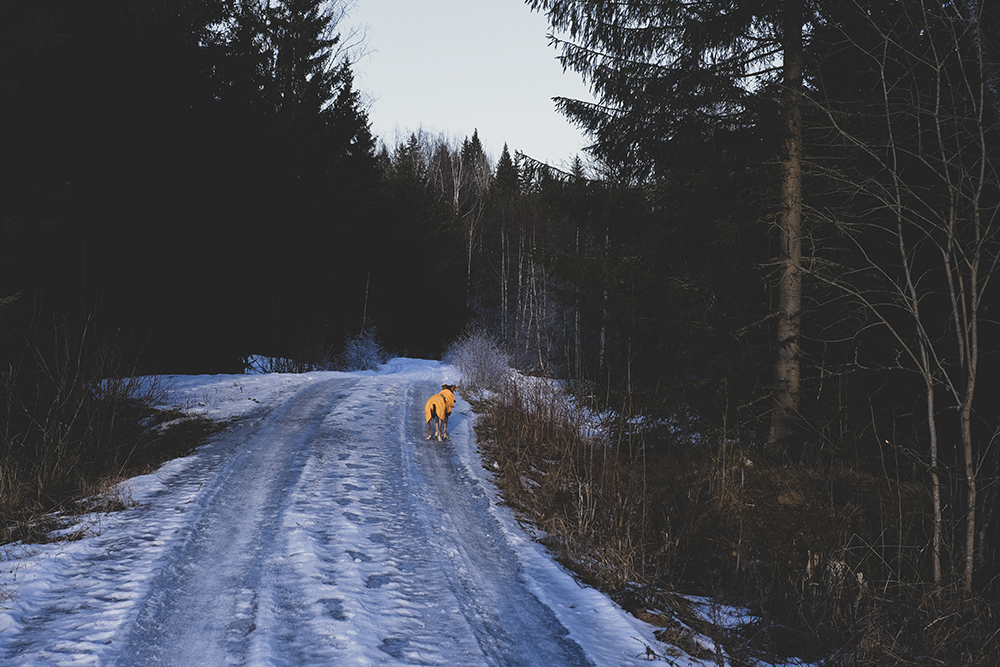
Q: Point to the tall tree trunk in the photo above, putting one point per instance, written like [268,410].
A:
[577,341]
[504,263]
[786,367]
[971,488]
[934,462]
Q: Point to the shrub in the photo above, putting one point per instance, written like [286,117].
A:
[308,357]
[72,413]
[261,365]
[362,352]
[484,365]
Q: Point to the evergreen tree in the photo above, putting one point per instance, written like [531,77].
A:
[507,180]
[685,88]
[417,261]
[143,134]
[99,129]
[301,39]
[477,171]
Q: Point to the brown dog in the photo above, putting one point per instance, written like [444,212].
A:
[438,409]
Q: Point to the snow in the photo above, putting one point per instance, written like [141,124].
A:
[318,528]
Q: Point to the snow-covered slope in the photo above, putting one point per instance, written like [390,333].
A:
[320,528]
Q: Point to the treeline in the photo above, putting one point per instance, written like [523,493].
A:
[783,250]
[201,177]
[788,238]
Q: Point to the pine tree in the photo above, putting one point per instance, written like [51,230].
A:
[507,181]
[302,40]
[478,173]
[673,77]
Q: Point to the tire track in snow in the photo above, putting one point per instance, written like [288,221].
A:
[360,535]
[510,624]
[326,532]
[205,606]
[100,587]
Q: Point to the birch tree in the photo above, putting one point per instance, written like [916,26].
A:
[463,176]
[928,187]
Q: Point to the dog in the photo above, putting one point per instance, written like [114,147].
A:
[438,409]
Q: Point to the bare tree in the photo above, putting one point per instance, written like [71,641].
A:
[932,191]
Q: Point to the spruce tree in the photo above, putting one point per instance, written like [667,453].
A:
[507,181]
[674,79]
[302,42]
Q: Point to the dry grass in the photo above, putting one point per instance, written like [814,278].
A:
[31,517]
[831,562]
[75,419]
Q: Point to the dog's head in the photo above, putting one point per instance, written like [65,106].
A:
[450,387]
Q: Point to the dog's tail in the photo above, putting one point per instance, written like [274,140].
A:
[432,408]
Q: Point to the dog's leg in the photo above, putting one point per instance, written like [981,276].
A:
[432,419]
[444,427]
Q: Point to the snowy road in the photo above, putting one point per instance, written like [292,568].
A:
[319,529]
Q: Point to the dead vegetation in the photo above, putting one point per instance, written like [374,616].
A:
[829,564]
[75,419]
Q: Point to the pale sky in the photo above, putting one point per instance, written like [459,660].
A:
[453,66]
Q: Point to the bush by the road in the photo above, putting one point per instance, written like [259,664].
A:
[483,363]
[363,352]
[75,417]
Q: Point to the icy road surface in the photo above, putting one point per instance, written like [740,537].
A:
[318,529]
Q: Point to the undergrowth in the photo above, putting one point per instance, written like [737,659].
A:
[75,419]
[827,564]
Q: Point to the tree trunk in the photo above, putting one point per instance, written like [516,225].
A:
[971,491]
[934,463]
[786,367]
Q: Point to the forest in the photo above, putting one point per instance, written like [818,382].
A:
[775,266]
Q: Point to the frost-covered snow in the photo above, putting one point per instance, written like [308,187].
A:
[319,528]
